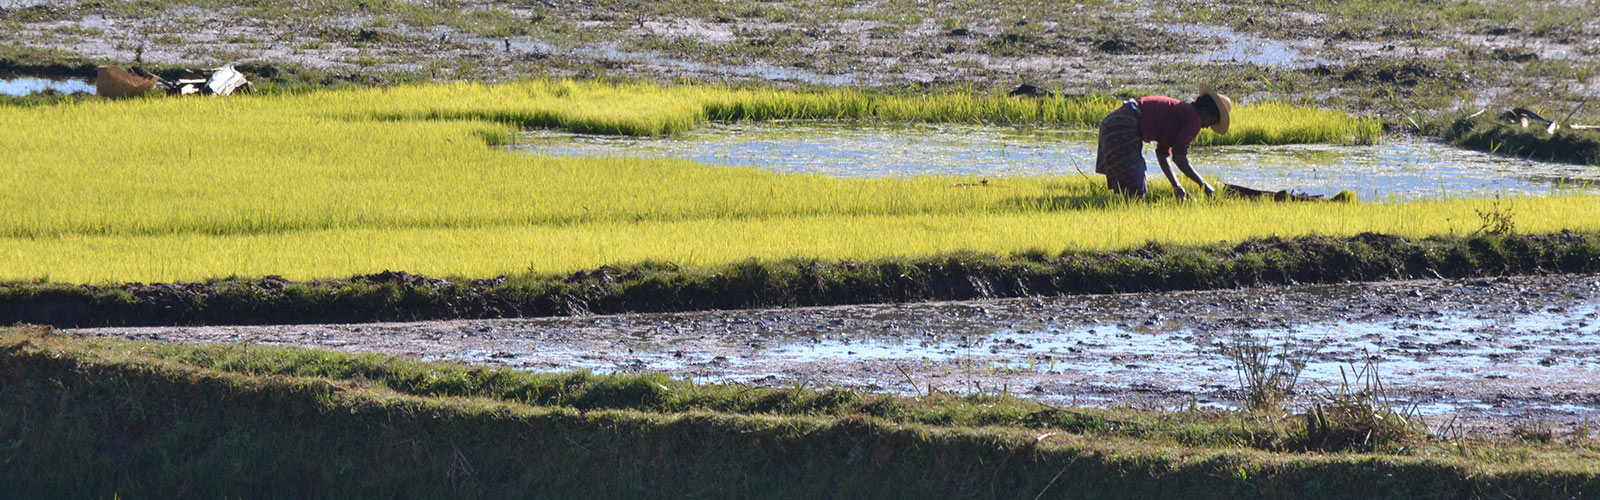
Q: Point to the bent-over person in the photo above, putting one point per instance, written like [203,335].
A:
[1170,123]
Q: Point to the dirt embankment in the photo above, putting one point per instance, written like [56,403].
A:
[396,296]
[87,421]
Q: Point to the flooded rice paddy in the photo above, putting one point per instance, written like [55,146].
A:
[1397,168]
[1478,352]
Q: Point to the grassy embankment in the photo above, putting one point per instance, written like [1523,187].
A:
[97,417]
[655,286]
[1486,133]
[338,183]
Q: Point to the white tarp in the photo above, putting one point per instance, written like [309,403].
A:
[225,80]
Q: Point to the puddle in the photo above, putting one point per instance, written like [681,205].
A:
[753,70]
[1522,357]
[16,85]
[1506,351]
[1399,167]
[1249,49]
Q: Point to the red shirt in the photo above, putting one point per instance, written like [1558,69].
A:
[1171,123]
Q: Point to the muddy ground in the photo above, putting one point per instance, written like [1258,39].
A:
[1390,56]
[1481,356]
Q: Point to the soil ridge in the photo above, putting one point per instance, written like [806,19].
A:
[666,287]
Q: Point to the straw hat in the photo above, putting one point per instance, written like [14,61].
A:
[1224,106]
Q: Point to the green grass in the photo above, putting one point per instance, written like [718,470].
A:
[401,178]
[644,109]
[340,183]
[1485,133]
[479,251]
[94,417]
[656,286]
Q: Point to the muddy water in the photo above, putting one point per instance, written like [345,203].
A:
[678,66]
[1480,352]
[1399,167]
[15,85]
[1243,48]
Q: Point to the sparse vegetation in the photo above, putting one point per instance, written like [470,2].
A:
[1267,375]
[1358,414]
[1497,219]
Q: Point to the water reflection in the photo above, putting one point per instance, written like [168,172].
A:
[1399,167]
[24,85]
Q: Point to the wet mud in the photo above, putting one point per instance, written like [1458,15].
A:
[1480,356]
[1076,47]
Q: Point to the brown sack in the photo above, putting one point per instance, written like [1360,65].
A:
[114,82]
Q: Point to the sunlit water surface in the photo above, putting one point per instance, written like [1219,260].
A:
[1397,167]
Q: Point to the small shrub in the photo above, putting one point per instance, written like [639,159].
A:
[1497,219]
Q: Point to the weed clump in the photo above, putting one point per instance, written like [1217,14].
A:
[1352,425]
[1267,376]
[1359,415]
[1497,219]
[1534,432]
[1354,416]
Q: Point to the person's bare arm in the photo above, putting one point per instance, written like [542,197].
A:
[1177,188]
[1183,165]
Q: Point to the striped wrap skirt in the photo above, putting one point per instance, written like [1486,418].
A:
[1121,152]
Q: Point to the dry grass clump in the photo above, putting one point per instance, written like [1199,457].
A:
[1356,415]
[1359,415]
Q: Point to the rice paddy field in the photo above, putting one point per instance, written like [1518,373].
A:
[797,249]
[337,183]
[439,201]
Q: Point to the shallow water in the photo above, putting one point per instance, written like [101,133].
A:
[24,85]
[1250,49]
[1549,342]
[667,63]
[1399,167]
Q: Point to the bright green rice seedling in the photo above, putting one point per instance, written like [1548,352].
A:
[336,183]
